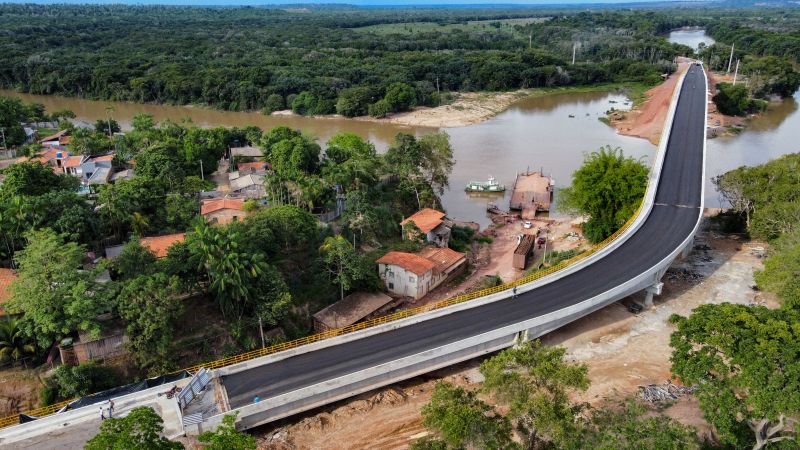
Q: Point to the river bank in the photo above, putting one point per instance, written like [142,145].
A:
[470,108]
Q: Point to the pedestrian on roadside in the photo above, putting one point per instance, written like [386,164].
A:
[514,292]
[110,409]
[102,414]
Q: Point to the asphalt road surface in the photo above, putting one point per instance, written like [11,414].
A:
[670,222]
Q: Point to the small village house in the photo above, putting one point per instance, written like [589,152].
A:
[353,308]
[159,245]
[247,185]
[432,224]
[247,151]
[110,343]
[257,168]
[223,210]
[59,139]
[414,275]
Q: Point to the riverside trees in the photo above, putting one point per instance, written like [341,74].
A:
[278,60]
[746,359]
[607,188]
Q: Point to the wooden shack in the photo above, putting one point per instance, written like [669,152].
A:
[355,307]
[524,251]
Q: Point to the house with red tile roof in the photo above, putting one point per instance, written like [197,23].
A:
[161,244]
[258,167]
[432,223]
[223,210]
[7,276]
[54,156]
[414,275]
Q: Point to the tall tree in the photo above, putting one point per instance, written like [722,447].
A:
[607,188]
[535,382]
[628,426]
[14,345]
[143,428]
[746,364]
[53,292]
[33,178]
[342,262]
[437,160]
[150,306]
[461,420]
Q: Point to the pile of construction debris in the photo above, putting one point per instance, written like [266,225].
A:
[683,274]
[655,393]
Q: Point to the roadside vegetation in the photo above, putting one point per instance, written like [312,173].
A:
[525,403]
[607,189]
[264,273]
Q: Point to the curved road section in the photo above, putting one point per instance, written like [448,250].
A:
[672,220]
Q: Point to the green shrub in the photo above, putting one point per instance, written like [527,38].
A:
[274,103]
[735,100]
[379,109]
[48,395]
[83,379]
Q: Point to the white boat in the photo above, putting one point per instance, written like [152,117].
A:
[485,186]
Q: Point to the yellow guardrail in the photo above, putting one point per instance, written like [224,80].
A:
[414,311]
[38,412]
[47,410]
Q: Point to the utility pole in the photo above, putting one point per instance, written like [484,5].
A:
[530,40]
[109,110]
[261,329]
[574,48]
[736,72]
[202,175]
[3,133]
[730,61]
[437,85]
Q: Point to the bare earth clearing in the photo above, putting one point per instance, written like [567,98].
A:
[622,351]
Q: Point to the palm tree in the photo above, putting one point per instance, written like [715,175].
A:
[13,343]
[139,223]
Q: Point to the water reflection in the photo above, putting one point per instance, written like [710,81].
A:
[691,37]
[775,133]
[323,128]
[535,133]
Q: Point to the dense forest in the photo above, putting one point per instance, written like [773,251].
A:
[348,60]
[254,58]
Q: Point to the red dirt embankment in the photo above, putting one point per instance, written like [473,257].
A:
[647,120]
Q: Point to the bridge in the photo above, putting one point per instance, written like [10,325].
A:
[285,383]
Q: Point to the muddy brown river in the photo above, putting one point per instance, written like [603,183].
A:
[551,133]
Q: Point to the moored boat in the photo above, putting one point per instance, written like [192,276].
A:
[485,186]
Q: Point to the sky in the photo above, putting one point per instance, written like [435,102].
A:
[347,2]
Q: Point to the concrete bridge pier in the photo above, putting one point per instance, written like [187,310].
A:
[654,289]
[688,248]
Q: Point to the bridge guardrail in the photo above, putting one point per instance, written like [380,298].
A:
[288,345]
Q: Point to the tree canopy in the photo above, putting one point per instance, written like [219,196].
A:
[746,364]
[141,428]
[607,188]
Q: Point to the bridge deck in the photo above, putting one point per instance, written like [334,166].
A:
[670,222]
